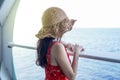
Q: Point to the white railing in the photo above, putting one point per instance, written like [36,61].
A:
[115,60]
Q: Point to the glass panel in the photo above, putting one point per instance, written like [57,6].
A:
[25,66]
[97,70]
[26,69]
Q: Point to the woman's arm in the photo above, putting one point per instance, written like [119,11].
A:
[61,58]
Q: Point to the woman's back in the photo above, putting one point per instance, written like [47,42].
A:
[52,70]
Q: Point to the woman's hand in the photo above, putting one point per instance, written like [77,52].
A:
[73,48]
[70,47]
[78,49]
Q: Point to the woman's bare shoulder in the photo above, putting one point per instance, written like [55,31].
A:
[58,47]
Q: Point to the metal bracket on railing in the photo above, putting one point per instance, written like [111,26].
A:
[11,44]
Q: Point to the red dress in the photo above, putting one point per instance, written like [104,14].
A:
[53,72]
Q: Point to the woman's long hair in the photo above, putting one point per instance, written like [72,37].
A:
[42,47]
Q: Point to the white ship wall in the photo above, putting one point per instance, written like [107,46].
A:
[7,22]
[0,46]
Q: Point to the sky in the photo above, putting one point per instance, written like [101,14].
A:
[88,13]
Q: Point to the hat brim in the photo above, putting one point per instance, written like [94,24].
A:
[51,32]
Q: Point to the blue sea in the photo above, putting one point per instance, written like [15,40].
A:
[97,40]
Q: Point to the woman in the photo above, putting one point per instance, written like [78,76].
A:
[52,53]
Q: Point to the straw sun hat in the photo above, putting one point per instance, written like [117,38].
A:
[54,23]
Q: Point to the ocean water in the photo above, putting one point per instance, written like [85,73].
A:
[97,40]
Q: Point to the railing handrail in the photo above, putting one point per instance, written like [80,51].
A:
[11,44]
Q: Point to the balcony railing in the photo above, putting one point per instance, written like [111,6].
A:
[111,57]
